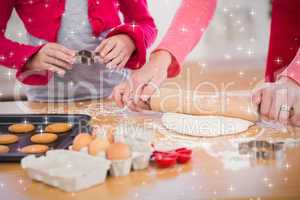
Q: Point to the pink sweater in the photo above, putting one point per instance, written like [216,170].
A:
[186,30]
[193,17]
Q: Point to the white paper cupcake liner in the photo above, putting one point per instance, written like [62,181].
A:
[141,161]
[120,167]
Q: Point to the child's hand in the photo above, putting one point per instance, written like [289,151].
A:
[53,57]
[116,51]
[136,91]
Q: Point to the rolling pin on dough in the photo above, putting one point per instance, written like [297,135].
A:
[196,103]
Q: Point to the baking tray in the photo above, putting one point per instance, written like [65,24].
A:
[80,124]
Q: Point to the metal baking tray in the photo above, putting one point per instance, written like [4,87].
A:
[80,124]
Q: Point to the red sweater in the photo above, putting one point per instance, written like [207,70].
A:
[42,19]
[284,40]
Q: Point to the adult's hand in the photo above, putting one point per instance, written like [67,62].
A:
[142,84]
[53,57]
[279,101]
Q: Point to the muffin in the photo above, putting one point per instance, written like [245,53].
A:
[120,156]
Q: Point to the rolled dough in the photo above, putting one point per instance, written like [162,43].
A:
[204,126]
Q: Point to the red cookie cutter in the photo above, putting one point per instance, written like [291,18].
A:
[165,159]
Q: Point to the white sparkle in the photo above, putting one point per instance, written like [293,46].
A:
[227,56]
[71,83]
[2,58]
[21,181]
[250,52]
[278,60]
[133,25]
[239,48]
[238,21]
[231,188]
[287,166]
[183,29]
[252,12]
[252,40]
[117,4]
[11,54]
[242,29]
[9,74]
[19,34]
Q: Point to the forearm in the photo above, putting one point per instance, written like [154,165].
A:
[187,28]
[140,26]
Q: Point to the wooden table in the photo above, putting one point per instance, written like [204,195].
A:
[208,176]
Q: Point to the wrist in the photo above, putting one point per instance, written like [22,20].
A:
[130,40]
[162,59]
[287,79]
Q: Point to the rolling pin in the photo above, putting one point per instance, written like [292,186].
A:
[231,104]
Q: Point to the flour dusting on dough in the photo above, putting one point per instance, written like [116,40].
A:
[204,126]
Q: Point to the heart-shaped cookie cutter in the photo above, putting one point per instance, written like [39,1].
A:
[165,159]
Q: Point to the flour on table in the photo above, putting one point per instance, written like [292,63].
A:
[204,126]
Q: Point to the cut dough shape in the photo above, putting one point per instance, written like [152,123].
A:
[4,149]
[21,128]
[43,138]
[34,149]
[8,139]
[58,128]
[204,126]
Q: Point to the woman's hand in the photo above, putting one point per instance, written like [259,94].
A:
[279,101]
[115,51]
[53,57]
[142,84]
